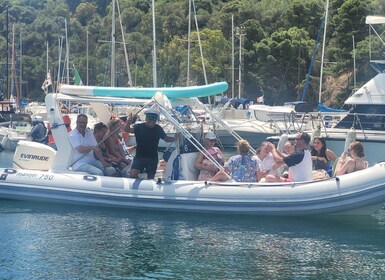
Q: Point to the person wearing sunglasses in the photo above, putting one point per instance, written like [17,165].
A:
[299,163]
[147,136]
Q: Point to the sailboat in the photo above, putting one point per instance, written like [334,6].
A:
[17,126]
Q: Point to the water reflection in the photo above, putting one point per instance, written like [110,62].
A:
[51,241]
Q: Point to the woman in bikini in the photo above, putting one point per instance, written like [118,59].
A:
[115,148]
[206,167]
[353,163]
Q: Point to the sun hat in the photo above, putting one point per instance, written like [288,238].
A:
[210,135]
[152,112]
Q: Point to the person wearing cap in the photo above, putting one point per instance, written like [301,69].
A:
[299,163]
[207,169]
[147,136]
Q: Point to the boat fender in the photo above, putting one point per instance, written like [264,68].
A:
[282,140]
[89,178]
[350,138]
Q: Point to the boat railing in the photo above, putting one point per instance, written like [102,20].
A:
[221,123]
[186,134]
[361,122]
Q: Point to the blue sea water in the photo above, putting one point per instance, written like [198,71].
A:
[50,241]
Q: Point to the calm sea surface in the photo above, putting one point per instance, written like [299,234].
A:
[48,241]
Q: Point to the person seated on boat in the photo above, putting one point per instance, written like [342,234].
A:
[242,167]
[115,148]
[283,170]
[288,148]
[207,168]
[147,136]
[321,155]
[353,163]
[299,162]
[84,144]
[267,165]
[100,130]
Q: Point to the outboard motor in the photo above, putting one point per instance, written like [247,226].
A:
[33,156]
[39,132]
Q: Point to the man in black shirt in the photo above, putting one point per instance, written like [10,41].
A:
[147,137]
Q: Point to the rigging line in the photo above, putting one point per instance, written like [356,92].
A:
[129,83]
[284,77]
[313,58]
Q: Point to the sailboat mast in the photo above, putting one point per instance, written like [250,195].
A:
[354,63]
[67,52]
[21,67]
[200,44]
[125,49]
[323,51]
[154,74]
[232,58]
[188,43]
[7,66]
[87,53]
[113,45]
[14,74]
[60,46]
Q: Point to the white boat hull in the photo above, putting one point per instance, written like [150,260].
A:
[360,193]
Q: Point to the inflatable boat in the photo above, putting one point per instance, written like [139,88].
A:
[41,173]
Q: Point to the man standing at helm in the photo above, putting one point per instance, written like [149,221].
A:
[147,137]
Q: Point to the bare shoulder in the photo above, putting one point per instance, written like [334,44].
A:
[330,154]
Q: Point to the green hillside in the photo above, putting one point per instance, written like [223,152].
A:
[277,36]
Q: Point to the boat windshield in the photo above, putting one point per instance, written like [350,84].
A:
[367,117]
